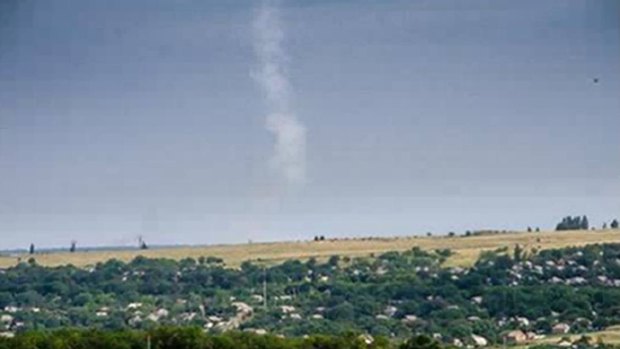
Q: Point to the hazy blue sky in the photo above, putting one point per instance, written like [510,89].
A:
[120,118]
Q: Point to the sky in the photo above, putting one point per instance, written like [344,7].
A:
[208,122]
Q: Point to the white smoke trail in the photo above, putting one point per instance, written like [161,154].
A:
[271,75]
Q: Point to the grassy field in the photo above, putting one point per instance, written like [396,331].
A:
[610,335]
[467,248]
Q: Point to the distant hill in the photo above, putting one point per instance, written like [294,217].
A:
[466,248]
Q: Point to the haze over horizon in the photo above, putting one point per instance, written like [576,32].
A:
[154,118]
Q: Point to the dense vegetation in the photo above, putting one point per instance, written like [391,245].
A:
[195,338]
[183,338]
[393,295]
[573,223]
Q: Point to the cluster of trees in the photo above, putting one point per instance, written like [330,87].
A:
[573,223]
[184,338]
[613,225]
[581,223]
[195,338]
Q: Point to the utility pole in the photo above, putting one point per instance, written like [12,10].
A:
[265,287]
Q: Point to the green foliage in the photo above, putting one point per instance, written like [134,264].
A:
[573,223]
[421,342]
[395,294]
[179,338]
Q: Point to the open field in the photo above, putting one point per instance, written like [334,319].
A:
[467,248]
[610,335]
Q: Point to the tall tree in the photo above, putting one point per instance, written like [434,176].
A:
[585,225]
[518,253]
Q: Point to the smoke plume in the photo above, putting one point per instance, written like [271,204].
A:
[271,75]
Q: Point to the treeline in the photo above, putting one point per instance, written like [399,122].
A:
[581,223]
[573,223]
[195,338]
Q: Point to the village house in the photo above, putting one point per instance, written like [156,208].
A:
[214,319]
[523,321]
[560,328]
[515,337]
[476,300]
[6,319]
[287,309]
[409,319]
[479,341]
[161,313]
[366,338]
[390,310]
[243,310]
[133,306]
[11,309]
[258,331]
[186,317]
[135,321]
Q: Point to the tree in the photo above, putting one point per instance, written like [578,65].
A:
[6,299]
[529,229]
[32,249]
[214,260]
[333,260]
[420,342]
[73,246]
[614,224]
[518,253]
[584,223]
[341,312]
[142,243]
[573,223]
